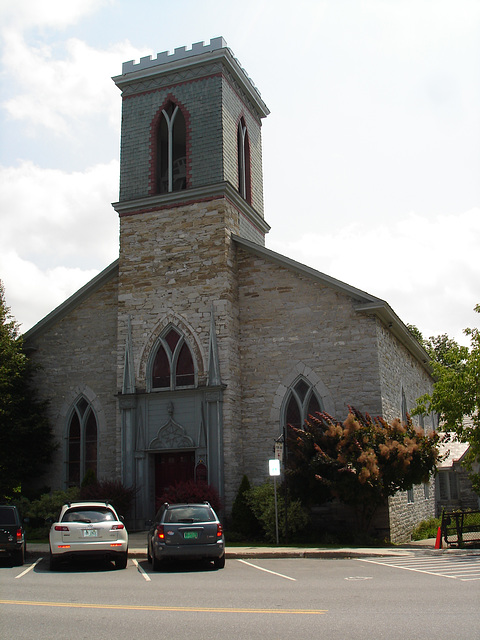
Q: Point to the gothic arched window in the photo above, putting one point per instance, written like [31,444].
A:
[82,442]
[243,144]
[171,150]
[301,402]
[173,365]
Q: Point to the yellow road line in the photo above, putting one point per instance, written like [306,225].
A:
[127,607]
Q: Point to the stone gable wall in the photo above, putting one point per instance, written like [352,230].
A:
[291,323]
[78,355]
[400,370]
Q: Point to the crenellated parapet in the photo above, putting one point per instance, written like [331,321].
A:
[179,53]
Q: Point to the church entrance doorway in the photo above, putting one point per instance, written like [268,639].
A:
[172,467]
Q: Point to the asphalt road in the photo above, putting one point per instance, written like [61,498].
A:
[421,597]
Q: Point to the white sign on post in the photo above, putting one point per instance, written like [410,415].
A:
[274,467]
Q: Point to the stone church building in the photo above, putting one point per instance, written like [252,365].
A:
[186,357]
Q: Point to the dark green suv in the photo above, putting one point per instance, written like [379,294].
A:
[186,531]
[12,534]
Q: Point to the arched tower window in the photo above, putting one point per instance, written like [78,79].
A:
[171,150]
[243,144]
[82,442]
[173,365]
[301,402]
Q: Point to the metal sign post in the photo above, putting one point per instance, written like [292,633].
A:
[274,469]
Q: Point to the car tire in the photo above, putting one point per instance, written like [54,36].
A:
[121,561]
[219,563]
[156,563]
[18,557]
[149,555]
[53,562]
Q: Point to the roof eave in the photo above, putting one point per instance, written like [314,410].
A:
[364,302]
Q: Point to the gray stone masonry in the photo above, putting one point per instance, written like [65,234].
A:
[77,356]
[174,265]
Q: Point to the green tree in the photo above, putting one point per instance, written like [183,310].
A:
[26,439]
[456,392]
[244,520]
[361,461]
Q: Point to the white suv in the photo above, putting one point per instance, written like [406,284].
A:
[87,529]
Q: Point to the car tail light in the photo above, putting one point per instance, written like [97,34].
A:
[160,532]
[219,530]
[59,527]
[118,526]
[19,534]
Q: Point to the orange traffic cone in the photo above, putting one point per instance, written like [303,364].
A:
[438,541]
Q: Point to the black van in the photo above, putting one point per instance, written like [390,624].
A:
[12,534]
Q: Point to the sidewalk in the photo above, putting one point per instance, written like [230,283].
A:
[138,549]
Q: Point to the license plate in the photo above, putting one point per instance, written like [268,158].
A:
[190,535]
[89,533]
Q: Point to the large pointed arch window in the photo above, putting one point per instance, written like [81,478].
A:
[301,402]
[82,442]
[173,365]
[171,150]
[243,145]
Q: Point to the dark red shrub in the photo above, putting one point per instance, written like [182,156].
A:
[191,492]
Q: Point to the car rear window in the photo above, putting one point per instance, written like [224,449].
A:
[7,516]
[98,514]
[189,514]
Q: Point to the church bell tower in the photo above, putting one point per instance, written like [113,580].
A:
[190,180]
[191,131]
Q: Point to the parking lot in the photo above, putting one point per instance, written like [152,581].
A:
[402,597]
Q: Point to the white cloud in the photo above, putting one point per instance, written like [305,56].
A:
[31,293]
[58,231]
[421,266]
[55,92]
[47,13]
[55,218]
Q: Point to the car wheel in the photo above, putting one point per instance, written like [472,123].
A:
[121,561]
[149,555]
[219,562]
[156,563]
[53,562]
[19,557]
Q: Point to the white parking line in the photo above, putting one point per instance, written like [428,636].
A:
[267,571]
[454,568]
[32,566]
[144,574]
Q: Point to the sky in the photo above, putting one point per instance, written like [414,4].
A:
[371,152]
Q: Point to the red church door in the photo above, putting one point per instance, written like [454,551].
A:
[172,467]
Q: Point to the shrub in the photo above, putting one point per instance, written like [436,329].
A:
[120,496]
[47,506]
[244,521]
[50,504]
[191,492]
[426,529]
[262,502]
